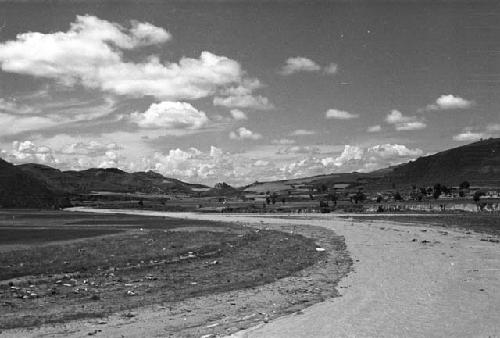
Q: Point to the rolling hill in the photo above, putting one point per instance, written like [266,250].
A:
[110,179]
[21,190]
[478,163]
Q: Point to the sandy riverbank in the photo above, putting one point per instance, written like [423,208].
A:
[410,281]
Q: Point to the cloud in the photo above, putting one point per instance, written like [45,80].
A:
[340,115]
[90,53]
[468,135]
[302,132]
[283,141]
[91,148]
[447,102]
[299,150]
[238,115]
[371,158]
[331,69]
[402,122]
[170,115]
[243,133]
[244,101]
[493,127]
[13,107]
[374,129]
[299,64]
[241,96]
[29,152]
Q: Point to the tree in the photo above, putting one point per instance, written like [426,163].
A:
[397,196]
[437,191]
[477,196]
[464,185]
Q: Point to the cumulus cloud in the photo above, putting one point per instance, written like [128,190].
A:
[340,115]
[446,102]
[244,101]
[299,64]
[371,158]
[170,115]
[91,53]
[302,132]
[402,122]
[299,150]
[29,152]
[241,96]
[331,69]
[243,133]
[238,115]
[374,129]
[468,135]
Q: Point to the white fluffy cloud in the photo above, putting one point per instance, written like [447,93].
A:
[340,115]
[468,135]
[299,64]
[446,102]
[91,53]
[243,133]
[29,152]
[170,115]
[374,129]
[302,132]
[238,115]
[401,122]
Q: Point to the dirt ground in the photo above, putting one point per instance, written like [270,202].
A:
[218,313]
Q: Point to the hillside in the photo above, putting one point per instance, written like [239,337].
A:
[478,163]
[21,190]
[110,179]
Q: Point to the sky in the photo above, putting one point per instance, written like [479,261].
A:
[242,91]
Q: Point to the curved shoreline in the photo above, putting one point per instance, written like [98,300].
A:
[223,313]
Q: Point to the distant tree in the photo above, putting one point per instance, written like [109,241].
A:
[283,200]
[397,196]
[464,185]
[437,191]
[140,203]
[311,196]
[359,197]
[379,199]
[477,196]
[268,200]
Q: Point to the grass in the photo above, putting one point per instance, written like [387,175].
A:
[483,223]
[167,261]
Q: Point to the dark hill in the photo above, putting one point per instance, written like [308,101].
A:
[110,179]
[19,189]
[477,163]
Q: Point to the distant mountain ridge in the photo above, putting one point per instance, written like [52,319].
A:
[478,163]
[109,179]
[39,186]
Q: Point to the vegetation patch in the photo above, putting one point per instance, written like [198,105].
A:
[95,277]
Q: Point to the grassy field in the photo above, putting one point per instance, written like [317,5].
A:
[83,265]
[484,223]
